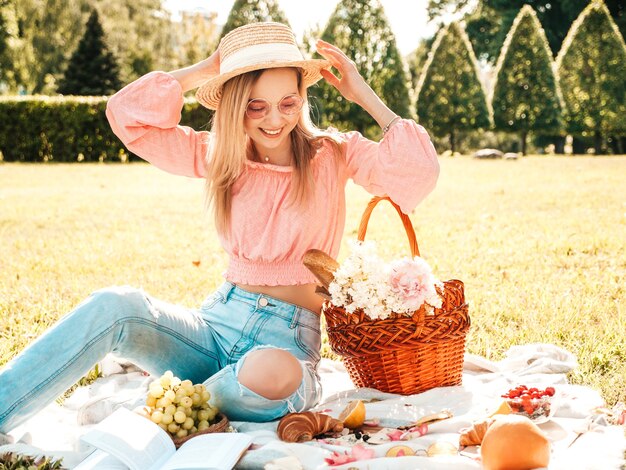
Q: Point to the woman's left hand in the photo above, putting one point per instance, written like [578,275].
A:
[351,85]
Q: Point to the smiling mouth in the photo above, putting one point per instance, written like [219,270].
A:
[271,132]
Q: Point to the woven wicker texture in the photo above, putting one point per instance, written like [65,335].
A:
[401,354]
[220,425]
[252,34]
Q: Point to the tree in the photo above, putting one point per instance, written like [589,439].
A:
[525,96]
[198,34]
[417,59]
[252,11]
[450,97]
[361,30]
[488,23]
[591,67]
[92,69]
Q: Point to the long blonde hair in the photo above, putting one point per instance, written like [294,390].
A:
[230,147]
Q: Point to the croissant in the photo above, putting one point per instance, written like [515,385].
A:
[302,427]
[473,435]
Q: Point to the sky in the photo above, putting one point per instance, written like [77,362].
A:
[408,18]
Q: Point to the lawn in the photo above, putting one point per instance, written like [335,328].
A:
[540,244]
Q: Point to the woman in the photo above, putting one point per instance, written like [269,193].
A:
[276,184]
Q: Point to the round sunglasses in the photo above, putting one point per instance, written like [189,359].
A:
[258,107]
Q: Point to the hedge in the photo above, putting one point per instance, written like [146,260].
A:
[69,129]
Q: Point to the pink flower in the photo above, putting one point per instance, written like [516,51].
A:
[413,281]
[358,452]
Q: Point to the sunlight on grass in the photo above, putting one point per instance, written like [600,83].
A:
[539,243]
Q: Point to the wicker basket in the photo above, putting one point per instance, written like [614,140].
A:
[402,354]
[220,425]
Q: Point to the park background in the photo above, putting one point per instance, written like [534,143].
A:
[538,240]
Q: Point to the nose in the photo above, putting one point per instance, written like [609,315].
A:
[274,117]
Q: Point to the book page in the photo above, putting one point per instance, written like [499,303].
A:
[133,439]
[99,460]
[219,451]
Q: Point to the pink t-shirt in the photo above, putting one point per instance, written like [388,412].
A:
[267,238]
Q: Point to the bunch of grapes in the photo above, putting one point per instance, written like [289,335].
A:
[179,407]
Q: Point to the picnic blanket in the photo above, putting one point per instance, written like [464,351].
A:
[581,437]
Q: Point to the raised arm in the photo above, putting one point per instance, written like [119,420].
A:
[404,164]
[145,115]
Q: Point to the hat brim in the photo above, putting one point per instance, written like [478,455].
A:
[210,92]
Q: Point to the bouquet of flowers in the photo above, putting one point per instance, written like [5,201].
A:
[364,281]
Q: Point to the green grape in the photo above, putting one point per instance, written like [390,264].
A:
[151,401]
[187,402]
[199,388]
[163,402]
[212,412]
[193,430]
[156,390]
[182,433]
[167,418]
[175,382]
[170,395]
[196,399]
[170,410]
[194,414]
[206,396]
[163,426]
[173,428]
[156,416]
[180,417]
[203,415]
[202,425]
[188,424]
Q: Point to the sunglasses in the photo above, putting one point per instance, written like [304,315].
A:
[258,108]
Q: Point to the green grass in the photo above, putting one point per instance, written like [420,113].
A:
[539,243]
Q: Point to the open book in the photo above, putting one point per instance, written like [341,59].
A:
[126,440]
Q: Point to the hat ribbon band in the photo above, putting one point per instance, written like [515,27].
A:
[260,53]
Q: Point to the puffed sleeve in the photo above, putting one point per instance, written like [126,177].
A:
[145,116]
[403,165]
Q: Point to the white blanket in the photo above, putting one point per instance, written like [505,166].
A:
[56,430]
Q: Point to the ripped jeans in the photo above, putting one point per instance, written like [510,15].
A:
[206,345]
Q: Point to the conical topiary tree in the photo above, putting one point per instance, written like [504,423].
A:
[252,11]
[361,30]
[92,69]
[591,67]
[525,96]
[450,96]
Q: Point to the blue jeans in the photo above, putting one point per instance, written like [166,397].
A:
[206,345]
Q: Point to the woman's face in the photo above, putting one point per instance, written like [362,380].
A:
[270,133]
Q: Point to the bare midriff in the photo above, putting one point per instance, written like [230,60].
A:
[302,295]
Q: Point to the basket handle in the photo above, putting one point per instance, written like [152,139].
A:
[408,226]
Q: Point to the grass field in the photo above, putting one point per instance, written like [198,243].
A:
[540,244]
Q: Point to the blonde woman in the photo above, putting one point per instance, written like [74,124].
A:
[276,184]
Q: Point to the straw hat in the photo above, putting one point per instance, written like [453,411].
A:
[257,46]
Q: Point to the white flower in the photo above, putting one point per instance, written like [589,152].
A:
[364,281]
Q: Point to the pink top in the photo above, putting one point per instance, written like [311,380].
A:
[267,239]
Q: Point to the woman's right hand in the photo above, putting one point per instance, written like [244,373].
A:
[195,75]
[213,64]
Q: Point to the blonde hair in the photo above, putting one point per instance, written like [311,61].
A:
[230,147]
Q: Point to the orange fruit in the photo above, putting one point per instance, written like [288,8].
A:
[503,409]
[353,416]
[400,451]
